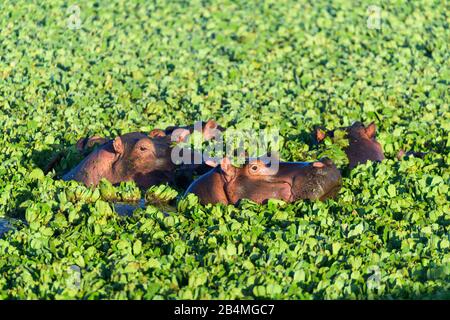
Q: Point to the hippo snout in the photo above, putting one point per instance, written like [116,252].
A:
[325,167]
[322,181]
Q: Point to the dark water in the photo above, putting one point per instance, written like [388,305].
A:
[122,208]
[6,224]
[128,208]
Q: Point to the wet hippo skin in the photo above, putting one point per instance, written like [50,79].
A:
[257,181]
[133,156]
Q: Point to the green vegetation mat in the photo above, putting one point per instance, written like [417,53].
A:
[135,65]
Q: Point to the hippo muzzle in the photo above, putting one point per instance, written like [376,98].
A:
[317,180]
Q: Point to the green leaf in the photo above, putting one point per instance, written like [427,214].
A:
[36,174]
[137,246]
[231,249]
[336,246]
[392,191]
[153,263]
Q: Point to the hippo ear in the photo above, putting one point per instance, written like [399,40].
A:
[85,143]
[371,130]
[96,140]
[156,133]
[81,144]
[180,135]
[211,124]
[227,167]
[210,130]
[211,162]
[118,145]
[319,134]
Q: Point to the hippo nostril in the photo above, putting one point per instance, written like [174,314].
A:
[318,165]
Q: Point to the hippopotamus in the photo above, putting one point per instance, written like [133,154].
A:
[362,143]
[209,129]
[85,144]
[187,171]
[152,170]
[132,156]
[258,181]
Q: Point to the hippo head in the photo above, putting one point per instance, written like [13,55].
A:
[144,158]
[259,181]
[210,129]
[140,153]
[363,145]
[132,156]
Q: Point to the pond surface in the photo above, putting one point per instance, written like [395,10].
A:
[122,208]
[6,224]
[127,208]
